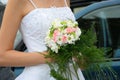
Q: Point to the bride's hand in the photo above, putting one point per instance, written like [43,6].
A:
[46,56]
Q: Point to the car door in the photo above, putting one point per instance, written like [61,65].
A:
[106,16]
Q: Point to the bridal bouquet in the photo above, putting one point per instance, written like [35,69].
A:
[69,46]
[62,33]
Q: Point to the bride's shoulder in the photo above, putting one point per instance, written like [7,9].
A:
[16,6]
[17,3]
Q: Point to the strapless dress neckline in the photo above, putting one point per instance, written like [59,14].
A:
[36,9]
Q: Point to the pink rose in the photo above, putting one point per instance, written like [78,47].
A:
[64,38]
[55,35]
[70,29]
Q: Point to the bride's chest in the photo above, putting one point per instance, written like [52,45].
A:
[39,20]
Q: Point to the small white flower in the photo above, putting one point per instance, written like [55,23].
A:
[78,32]
[52,45]
[70,24]
[76,23]
[57,23]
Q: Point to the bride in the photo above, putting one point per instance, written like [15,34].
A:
[32,18]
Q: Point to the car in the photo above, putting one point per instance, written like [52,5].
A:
[4,2]
[106,16]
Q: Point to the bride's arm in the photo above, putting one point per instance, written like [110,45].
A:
[11,21]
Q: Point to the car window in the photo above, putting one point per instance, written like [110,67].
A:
[76,10]
[107,27]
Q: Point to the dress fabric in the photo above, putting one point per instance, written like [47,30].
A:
[33,29]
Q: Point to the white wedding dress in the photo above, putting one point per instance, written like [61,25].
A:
[33,29]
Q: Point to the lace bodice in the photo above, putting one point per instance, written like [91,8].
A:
[37,22]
